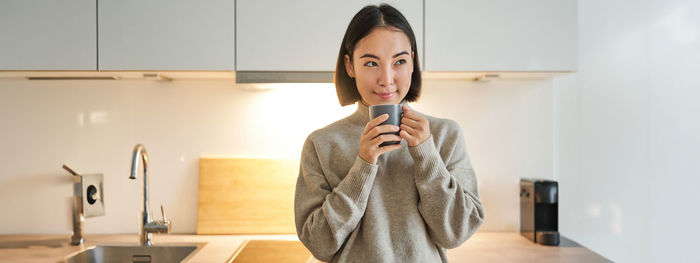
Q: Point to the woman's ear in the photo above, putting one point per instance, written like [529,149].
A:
[349,67]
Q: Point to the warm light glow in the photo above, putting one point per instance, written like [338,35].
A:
[285,114]
[275,86]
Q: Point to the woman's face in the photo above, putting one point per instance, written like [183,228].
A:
[382,65]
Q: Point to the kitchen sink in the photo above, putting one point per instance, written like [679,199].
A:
[117,253]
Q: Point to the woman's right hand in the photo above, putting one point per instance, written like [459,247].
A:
[372,137]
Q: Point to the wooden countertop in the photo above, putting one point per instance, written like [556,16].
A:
[482,247]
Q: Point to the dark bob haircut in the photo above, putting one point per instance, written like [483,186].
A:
[366,20]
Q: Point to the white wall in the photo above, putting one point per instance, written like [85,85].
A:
[508,130]
[92,126]
[627,133]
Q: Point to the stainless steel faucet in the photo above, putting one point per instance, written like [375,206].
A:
[78,216]
[147,224]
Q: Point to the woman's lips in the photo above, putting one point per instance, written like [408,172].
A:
[387,95]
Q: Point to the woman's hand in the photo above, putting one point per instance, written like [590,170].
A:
[372,137]
[415,129]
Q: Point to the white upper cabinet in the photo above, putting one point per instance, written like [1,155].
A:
[166,35]
[302,35]
[48,35]
[500,35]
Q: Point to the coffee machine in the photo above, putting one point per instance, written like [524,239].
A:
[539,211]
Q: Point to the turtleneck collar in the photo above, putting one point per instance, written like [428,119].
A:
[361,115]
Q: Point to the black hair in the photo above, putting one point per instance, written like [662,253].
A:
[366,20]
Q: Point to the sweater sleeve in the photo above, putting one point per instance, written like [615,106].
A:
[325,216]
[449,198]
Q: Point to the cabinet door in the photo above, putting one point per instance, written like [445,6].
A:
[500,35]
[166,35]
[278,35]
[48,35]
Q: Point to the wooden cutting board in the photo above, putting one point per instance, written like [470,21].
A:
[255,251]
[246,196]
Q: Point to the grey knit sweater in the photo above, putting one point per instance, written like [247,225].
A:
[409,207]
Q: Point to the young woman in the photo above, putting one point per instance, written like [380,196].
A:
[358,202]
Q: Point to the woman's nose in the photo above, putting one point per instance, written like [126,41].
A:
[386,77]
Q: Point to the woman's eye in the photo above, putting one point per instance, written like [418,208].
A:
[400,61]
[371,64]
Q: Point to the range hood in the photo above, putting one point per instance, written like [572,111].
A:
[275,77]
[268,77]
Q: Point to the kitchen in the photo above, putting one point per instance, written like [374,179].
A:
[593,94]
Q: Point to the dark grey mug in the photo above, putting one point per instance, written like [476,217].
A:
[395,113]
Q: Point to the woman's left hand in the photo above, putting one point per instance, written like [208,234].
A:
[415,129]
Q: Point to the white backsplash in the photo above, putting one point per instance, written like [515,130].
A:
[92,127]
